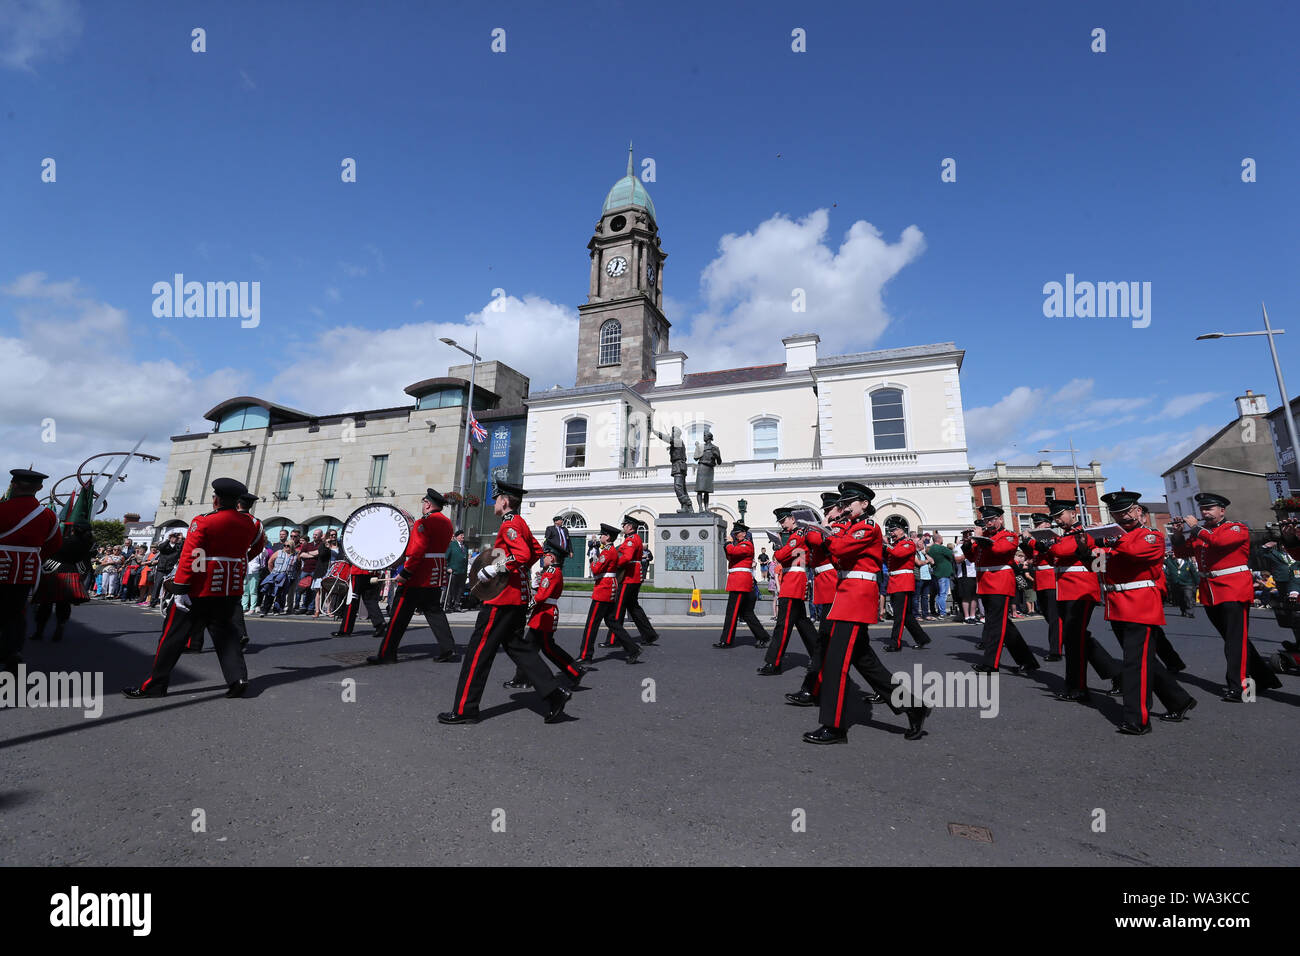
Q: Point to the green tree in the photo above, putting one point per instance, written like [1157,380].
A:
[108,533]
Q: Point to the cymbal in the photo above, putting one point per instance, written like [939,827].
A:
[485,591]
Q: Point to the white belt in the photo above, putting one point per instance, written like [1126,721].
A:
[1044,567]
[992,567]
[861,575]
[1222,571]
[823,567]
[551,601]
[441,554]
[902,571]
[797,568]
[748,571]
[1130,586]
[1073,567]
[611,574]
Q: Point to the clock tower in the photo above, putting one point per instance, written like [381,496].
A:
[622,326]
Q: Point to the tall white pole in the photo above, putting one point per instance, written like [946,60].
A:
[469,413]
[1286,398]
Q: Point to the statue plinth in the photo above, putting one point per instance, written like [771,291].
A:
[689,546]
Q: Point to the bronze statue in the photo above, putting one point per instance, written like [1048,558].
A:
[677,456]
[707,457]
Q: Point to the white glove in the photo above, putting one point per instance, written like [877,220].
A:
[182,601]
[488,573]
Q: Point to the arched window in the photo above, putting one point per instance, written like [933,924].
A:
[575,520]
[611,342]
[632,452]
[575,443]
[767,439]
[887,419]
[246,416]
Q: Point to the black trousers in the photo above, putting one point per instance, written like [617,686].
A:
[812,681]
[740,606]
[903,604]
[629,603]
[1000,631]
[1051,614]
[217,615]
[454,591]
[369,596]
[1232,620]
[1081,648]
[791,614]
[499,626]
[429,603]
[62,610]
[1165,651]
[1184,596]
[602,612]
[13,620]
[849,646]
[553,652]
[1143,673]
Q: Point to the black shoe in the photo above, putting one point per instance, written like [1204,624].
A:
[920,646]
[582,672]
[983,669]
[558,698]
[1073,696]
[1053,658]
[633,657]
[762,643]
[826,735]
[37,636]
[449,718]
[1116,688]
[237,689]
[893,648]
[57,635]
[340,633]
[194,650]
[1029,669]
[1177,669]
[583,663]
[650,640]
[375,659]
[445,657]
[1134,730]
[873,698]
[1179,715]
[767,670]
[135,693]
[980,645]
[801,699]
[1232,697]
[915,721]
[516,683]
[723,645]
[243,642]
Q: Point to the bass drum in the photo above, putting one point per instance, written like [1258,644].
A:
[375,535]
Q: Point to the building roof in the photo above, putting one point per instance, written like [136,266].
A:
[628,191]
[726,376]
[886,355]
[1196,452]
[1156,507]
[282,412]
[420,389]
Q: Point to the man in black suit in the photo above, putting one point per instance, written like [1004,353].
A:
[557,540]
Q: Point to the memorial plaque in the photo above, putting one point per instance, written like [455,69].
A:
[684,557]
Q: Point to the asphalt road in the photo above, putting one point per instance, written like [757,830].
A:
[711,771]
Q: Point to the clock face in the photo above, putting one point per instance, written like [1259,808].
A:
[650,275]
[616,266]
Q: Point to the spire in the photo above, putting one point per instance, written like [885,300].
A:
[629,157]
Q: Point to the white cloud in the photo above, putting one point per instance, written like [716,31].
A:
[246,81]
[417,303]
[352,271]
[372,366]
[54,369]
[333,294]
[1181,405]
[33,29]
[748,290]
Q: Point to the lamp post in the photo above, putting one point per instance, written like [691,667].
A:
[1078,490]
[741,505]
[1281,385]
[469,413]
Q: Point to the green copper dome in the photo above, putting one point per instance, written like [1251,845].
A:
[629,191]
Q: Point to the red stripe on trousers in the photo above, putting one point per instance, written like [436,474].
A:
[844,677]
[171,611]
[622,594]
[1245,638]
[785,634]
[586,636]
[1002,638]
[1146,649]
[392,622]
[473,665]
[730,632]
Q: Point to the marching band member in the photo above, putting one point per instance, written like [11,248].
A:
[826,579]
[995,583]
[603,568]
[1078,591]
[791,610]
[1040,554]
[29,536]
[740,589]
[420,582]
[364,587]
[629,556]
[542,620]
[900,558]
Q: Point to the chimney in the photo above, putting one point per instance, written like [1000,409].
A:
[801,351]
[129,517]
[670,368]
[1251,404]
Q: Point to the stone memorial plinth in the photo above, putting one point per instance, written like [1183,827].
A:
[689,546]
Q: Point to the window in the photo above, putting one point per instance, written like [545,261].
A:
[986,497]
[1026,523]
[246,416]
[1049,494]
[182,487]
[1022,496]
[327,481]
[1186,480]
[887,418]
[766,438]
[285,480]
[575,443]
[572,520]
[611,339]
[1178,510]
[694,433]
[632,452]
[378,472]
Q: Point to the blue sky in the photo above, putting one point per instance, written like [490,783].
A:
[480,171]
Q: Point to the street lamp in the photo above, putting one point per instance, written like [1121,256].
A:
[1277,368]
[1078,491]
[469,413]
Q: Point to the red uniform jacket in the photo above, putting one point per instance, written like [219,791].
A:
[605,573]
[545,601]
[856,551]
[29,536]
[1044,567]
[426,552]
[522,551]
[901,560]
[1075,578]
[629,556]
[822,568]
[1221,554]
[259,542]
[1133,575]
[740,557]
[994,569]
[215,554]
[794,571]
